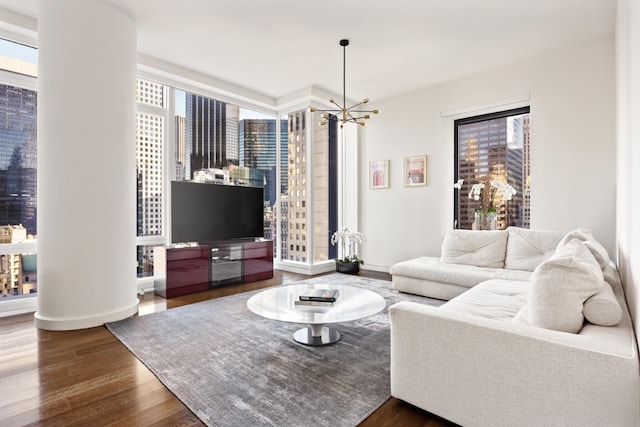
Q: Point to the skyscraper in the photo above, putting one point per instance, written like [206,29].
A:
[149,154]
[296,249]
[181,153]
[207,134]
[18,141]
[257,150]
[494,149]
[149,146]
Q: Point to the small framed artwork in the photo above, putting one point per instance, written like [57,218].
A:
[415,171]
[379,174]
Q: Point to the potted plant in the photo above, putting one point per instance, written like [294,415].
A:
[495,193]
[348,240]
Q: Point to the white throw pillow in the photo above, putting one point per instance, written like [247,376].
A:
[603,308]
[559,288]
[597,250]
[527,249]
[479,248]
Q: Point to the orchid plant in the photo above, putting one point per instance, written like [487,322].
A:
[497,190]
[348,239]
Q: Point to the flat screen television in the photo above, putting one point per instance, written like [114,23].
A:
[208,212]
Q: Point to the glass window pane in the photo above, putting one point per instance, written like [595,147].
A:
[295,196]
[221,143]
[144,262]
[495,149]
[18,163]
[18,160]
[320,180]
[150,93]
[149,163]
[18,58]
[18,275]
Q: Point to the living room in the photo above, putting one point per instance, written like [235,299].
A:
[583,99]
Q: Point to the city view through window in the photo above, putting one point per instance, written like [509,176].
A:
[492,148]
[214,142]
[220,143]
[18,161]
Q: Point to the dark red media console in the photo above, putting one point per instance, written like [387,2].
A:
[180,270]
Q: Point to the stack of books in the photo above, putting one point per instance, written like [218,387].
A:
[318,297]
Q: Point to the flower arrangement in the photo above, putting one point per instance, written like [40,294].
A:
[496,190]
[348,239]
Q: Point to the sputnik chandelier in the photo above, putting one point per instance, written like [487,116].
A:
[346,114]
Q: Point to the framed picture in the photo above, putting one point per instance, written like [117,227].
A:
[415,171]
[379,174]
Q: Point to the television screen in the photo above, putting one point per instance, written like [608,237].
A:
[205,212]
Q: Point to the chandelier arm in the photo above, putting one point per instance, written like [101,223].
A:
[356,105]
[327,111]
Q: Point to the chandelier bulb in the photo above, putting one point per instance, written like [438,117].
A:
[376,111]
[364,101]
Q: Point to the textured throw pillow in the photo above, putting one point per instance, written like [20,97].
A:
[597,250]
[559,287]
[603,308]
[527,249]
[479,248]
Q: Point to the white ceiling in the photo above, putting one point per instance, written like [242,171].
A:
[278,47]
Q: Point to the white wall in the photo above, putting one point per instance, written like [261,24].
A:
[628,105]
[572,98]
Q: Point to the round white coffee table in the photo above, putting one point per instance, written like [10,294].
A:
[279,304]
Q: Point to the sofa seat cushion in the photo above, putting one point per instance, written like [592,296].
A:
[559,287]
[478,248]
[493,299]
[430,268]
[527,249]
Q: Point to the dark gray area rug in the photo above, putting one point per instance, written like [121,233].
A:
[232,367]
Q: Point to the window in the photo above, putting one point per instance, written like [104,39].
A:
[18,170]
[218,142]
[493,147]
[151,120]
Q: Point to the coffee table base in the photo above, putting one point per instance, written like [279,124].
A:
[317,335]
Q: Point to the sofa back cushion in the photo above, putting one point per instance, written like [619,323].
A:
[559,287]
[597,250]
[527,249]
[479,248]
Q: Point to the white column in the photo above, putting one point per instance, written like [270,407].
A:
[86,165]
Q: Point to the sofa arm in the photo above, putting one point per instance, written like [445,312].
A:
[482,372]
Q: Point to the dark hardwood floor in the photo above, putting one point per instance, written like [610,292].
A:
[88,378]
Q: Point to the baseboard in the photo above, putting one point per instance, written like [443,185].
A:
[73,323]
[309,270]
[378,268]
[13,306]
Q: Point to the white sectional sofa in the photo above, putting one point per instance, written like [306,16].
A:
[547,343]
[469,257]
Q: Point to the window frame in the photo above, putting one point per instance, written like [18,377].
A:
[456,146]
